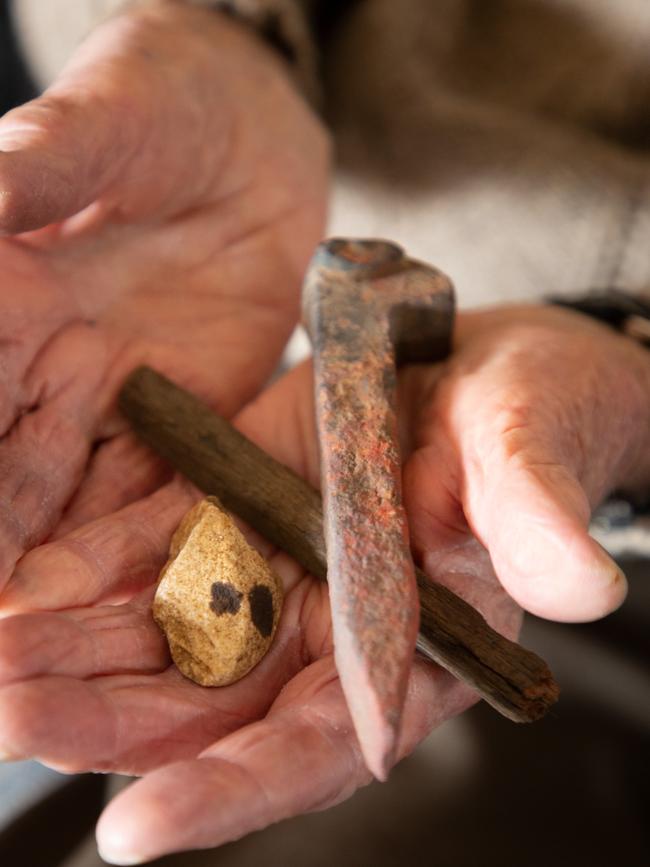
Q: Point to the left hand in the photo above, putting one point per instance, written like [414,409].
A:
[495,449]
[539,414]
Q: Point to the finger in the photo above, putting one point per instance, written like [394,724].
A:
[110,559]
[43,457]
[132,723]
[59,152]
[525,505]
[41,462]
[36,308]
[126,723]
[64,151]
[533,515]
[120,472]
[304,756]
[83,642]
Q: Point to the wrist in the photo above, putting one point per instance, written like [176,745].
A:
[629,315]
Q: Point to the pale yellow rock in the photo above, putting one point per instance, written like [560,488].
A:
[217,600]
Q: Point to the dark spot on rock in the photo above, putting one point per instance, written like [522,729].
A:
[226,599]
[261,602]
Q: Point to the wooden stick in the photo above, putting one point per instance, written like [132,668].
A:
[287,511]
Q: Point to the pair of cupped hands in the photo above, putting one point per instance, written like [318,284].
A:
[159,205]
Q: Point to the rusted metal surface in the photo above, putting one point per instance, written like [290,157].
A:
[367,309]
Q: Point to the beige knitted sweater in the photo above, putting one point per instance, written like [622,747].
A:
[508,141]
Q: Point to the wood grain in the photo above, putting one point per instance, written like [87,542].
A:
[287,511]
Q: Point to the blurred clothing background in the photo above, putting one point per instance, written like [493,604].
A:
[505,141]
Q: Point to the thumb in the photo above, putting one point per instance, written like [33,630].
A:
[114,124]
[59,152]
[57,155]
[532,515]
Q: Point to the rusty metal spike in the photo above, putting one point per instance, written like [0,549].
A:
[368,308]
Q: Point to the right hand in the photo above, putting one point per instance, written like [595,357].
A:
[161,201]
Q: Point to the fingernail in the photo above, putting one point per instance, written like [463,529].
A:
[121,860]
[114,847]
